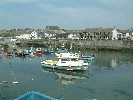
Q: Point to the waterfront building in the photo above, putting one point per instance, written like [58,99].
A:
[34,35]
[9,39]
[54,29]
[74,35]
[50,35]
[25,36]
[103,34]
[115,34]
[62,36]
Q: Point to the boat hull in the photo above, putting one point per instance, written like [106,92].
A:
[49,63]
[54,66]
[49,66]
[76,68]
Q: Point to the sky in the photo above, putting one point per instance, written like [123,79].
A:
[67,14]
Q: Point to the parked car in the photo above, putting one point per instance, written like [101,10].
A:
[130,37]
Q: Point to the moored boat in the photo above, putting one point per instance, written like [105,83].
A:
[20,54]
[47,51]
[38,51]
[91,57]
[68,55]
[66,63]
[49,63]
[60,50]
[72,64]
[9,54]
[75,55]
[5,49]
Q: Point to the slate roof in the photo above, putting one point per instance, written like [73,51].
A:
[52,28]
[64,35]
[98,30]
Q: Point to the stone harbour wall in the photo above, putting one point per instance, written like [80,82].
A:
[78,44]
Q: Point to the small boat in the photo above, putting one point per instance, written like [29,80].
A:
[67,63]
[75,55]
[5,49]
[91,57]
[38,51]
[60,50]
[34,96]
[68,55]
[72,64]
[29,52]
[47,51]
[9,54]
[20,54]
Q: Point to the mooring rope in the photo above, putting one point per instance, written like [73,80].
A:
[13,74]
[2,94]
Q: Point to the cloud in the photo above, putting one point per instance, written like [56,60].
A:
[93,16]
[68,14]
[73,12]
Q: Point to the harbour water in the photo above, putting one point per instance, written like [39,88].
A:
[109,77]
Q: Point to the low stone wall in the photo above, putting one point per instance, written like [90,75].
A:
[104,44]
[80,44]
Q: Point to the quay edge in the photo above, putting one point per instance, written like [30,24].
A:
[78,44]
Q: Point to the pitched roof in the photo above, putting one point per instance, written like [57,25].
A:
[52,28]
[98,30]
[62,35]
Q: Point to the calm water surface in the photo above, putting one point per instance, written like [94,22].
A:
[109,77]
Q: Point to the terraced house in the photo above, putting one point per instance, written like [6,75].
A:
[105,34]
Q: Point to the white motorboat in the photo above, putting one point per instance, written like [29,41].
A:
[75,55]
[60,50]
[68,55]
[66,63]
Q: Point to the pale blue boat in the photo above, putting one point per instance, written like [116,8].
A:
[87,57]
[34,96]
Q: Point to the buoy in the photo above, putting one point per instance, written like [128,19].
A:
[15,82]
[2,94]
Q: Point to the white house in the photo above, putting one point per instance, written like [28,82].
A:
[25,36]
[74,36]
[50,35]
[34,35]
[115,34]
[17,37]
[124,34]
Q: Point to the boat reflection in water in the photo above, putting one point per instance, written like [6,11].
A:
[67,77]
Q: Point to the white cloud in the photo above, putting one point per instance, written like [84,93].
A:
[90,15]
[119,13]
[74,12]
[67,11]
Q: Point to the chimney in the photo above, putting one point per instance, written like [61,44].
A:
[100,28]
